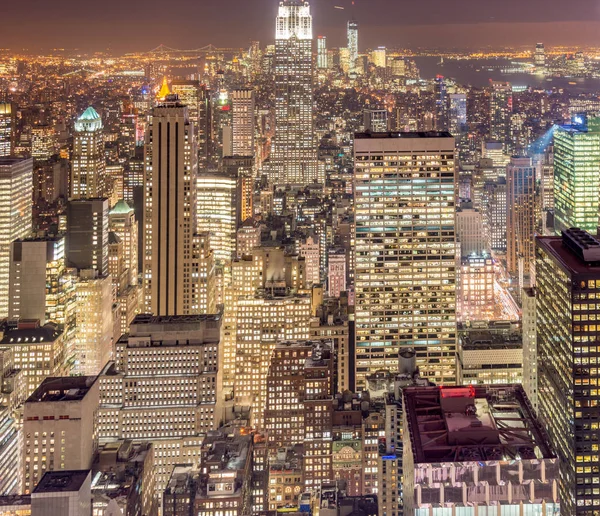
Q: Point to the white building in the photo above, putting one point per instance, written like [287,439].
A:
[242,104]
[88,170]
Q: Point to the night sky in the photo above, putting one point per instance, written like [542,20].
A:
[127,25]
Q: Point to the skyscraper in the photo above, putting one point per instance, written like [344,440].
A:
[243,122]
[169,210]
[576,177]
[441,104]
[457,113]
[501,106]
[88,171]
[567,285]
[539,58]
[196,96]
[352,44]
[7,129]
[322,57]
[16,185]
[520,214]
[294,156]
[405,280]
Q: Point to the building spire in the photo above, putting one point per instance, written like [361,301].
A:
[164,90]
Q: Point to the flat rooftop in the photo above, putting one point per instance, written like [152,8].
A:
[394,134]
[64,388]
[62,481]
[566,258]
[473,423]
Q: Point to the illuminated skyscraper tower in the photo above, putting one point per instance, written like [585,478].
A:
[352,44]
[576,178]
[88,172]
[539,58]
[7,129]
[170,210]
[501,106]
[294,155]
[322,61]
[243,122]
[405,280]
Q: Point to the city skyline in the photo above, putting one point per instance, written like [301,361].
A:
[189,25]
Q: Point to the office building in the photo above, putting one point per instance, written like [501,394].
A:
[94,321]
[41,286]
[58,427]
[43,142]
[440,92]
[392,282]
[539,58]
[196,96]
[169,219]
[501,108]
[88,168]
[567,279]
[217,212]
[63,493]
[521,217]
[87,234]
[352,36]
[375,120]
[379,57]
[487,358]
[463,469]
[469,230]
[494,214]
[164,387]
[457,114]
[16,184]
[242,103]
[7,129]
[180,492]
[336,272]
[294,155]
[476,288]
[576,178]
[10,453]
[122,222]
[322,56]
[530,367]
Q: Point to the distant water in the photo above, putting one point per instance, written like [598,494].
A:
[479,72]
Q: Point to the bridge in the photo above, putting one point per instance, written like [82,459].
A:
[208,49]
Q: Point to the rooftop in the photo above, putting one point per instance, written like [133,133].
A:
[486,340]
[121,208]
[473,423]
[47,333]
[66,388]
[571,253]
[62,481]
[419,134]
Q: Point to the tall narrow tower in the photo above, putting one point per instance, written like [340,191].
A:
[294,156]
[88,175]
[169,210]
[352,44]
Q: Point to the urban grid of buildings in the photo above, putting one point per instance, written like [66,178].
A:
[298,279]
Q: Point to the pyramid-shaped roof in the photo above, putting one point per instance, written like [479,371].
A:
[89,114]
[121,207]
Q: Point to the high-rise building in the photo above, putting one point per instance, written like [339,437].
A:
[476,300]
[294,154]
[567,284]
[397,244]
[242,104]
[530,367]
[375,120]
[322,57]
[196,96]
[477,443]
[88,169]
[379,57]
[521,217]
[539,58]
[441,104]
[41,287]
[43,142]
[457,114]
[121,221]
[169,220]
[336,272]
[164,387]
[94,320]
[352,35]
[7,129]
[217,205]
[87,234]
[242,168]
[494,214]
[58,427]
[576,177]
[16,187]
[469,230]
[501,107]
